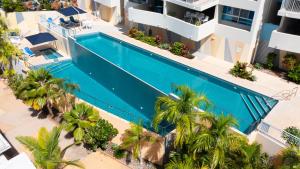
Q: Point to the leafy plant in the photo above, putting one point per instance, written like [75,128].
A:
[99,135]
[291,158]
[15,81]
[40,90]
[289,133]
[8,73]
[177,48]
[149,40]
[12,6]
[290,61]
[132,32]
[134,138]
[270,60]
[258,66]
[79,119]
[118,151]
[46,150]
[179,112]
[165,46]
[240,70]
[294,74]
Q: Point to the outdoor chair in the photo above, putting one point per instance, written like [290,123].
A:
[65,23]
[72,19]
[28,52]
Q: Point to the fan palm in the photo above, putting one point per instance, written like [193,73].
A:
[215,140]
[40,89]
[45,149]
[181,112]
[134,138]
[81,117]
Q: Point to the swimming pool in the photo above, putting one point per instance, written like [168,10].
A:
[50,53]
[126,80]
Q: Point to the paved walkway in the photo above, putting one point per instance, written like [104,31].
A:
[16,120]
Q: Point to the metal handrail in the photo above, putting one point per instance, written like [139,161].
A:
[276,133]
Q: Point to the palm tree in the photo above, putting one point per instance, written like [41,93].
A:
[215,140]
[181,112]
[8,51]
[291,158]
[185,162]
[134,138]
[45,149]
[254,157]
[40,89]
[81,117]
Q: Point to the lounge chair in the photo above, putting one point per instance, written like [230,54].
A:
[65,23]
[28,52]
[72,19]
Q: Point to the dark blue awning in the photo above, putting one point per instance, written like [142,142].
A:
[69,11]
[40,38]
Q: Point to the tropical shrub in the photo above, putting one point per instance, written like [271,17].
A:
[258,66]
[240,70]
[149,40]
[294,74]
[79,119]
[291,158]
[289,61]
[40,90]
[8,73]
[165,46]
[15,81]
[118,151]
[177,48]
[13,6]
[290,139]
[46,150]
[99,135]
[270,60]
[132,32]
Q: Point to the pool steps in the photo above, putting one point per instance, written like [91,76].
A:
[258,106]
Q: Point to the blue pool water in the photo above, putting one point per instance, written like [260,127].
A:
[126,80]
[50,54]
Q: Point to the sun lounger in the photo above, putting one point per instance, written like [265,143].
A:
[28,52]
[73,20]
[65,23]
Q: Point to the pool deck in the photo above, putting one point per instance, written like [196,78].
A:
[284,114]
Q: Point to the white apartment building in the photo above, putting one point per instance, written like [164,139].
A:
[280,32]
[224,29]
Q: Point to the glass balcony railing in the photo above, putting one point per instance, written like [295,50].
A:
[290,5]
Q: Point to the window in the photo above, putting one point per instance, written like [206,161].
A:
[237,15]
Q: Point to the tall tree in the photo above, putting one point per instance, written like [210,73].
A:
[180,111]
[215,140]
[46,151]
[134,138]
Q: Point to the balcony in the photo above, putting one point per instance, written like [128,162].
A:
[198,5]
[108,3]
[290,8]
[185,29]
[285,41]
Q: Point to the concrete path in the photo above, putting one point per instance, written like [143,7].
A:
[16,120]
